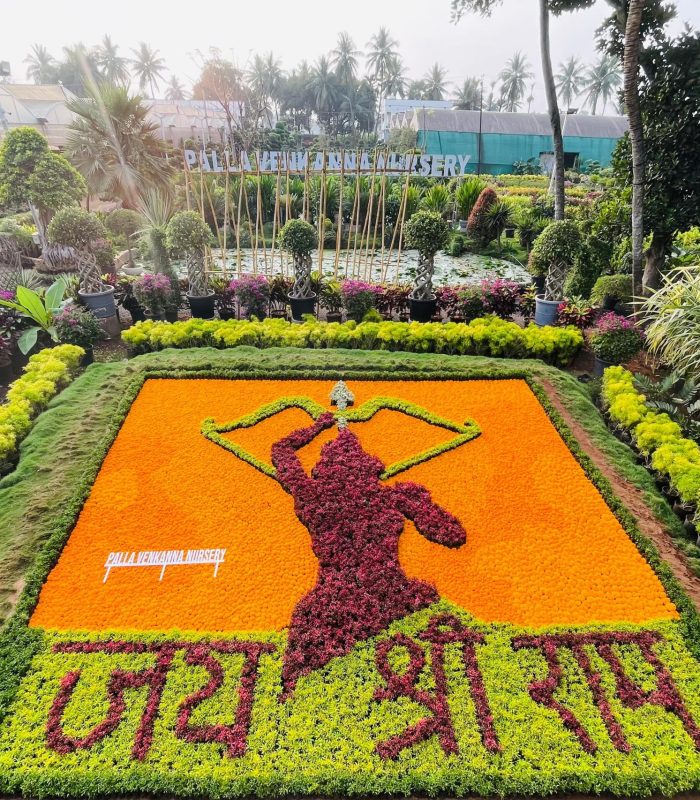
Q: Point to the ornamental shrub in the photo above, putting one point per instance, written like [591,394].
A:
[427,232]
[298,237]
[616,339]
[478,225]
[618,287]
[74,227]
[253,294]
[76,325]
[500,297]
[187,234]
[153,292]
[559,243]
[359,297]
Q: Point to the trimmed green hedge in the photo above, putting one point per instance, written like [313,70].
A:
[47,372]
[487,336]
[656,435]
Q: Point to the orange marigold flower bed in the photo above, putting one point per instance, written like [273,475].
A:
[542,546]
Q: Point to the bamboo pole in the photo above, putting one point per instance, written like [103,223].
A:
[275,217]
[287,215]
[250,232]
[226,211]
[339,232]
[358,204]
[238,219]
[401,222]
[322,216]
[188,188]
[380,214]
[367,226]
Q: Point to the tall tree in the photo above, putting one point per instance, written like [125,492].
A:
[175,90]
[78,69]
[114,67]
[468,97]
[115,146]
[345,58]
[325,90]
[602,79]
[381,56]
[634,114]
[221,82]
[41,65]
[569,81]
[485,7]
[148,67]
[514,77]
[435,83]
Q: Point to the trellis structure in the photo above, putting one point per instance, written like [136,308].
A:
[366,253]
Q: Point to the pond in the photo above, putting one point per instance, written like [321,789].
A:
[467,268]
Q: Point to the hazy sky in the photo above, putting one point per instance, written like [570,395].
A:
[300,29]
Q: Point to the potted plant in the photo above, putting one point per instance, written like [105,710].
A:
[6,373]
[332,301]
[298,237]
[426,232]
[609,290]
[614,340]
[225,300]
[39,310]
[280,287]
[188,235]
[253,294]
[577,312]
[359,297]
[471,303]
[153,292]
[555,252]
[77,325]
[124,292]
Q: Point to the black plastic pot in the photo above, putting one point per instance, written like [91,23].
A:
[6,372]
[171,315]
[599,366]
[88,358]
[422,310]
[226,313]
[202,307]
[301,306]
[334,316]
[609,302]
[19,360]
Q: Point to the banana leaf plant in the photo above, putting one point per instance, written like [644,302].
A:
[39,309]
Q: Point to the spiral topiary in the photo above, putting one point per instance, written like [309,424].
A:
[298,237]
[426,232]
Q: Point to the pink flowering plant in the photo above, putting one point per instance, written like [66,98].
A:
[501,297]
[615,339]
[253,294]
[153,291]
[359,297]
[76,325]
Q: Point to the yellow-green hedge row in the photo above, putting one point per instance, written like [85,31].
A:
[656,435]
[487,336]
[46,373]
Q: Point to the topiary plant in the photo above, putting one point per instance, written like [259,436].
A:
[478,225]
[427,232]
[555,252]
[615,287]
[73,227]
[298,237]
[188,235]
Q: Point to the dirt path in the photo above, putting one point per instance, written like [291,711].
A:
[633,499]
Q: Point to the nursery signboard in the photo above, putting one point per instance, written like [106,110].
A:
[435,165]
[388,620]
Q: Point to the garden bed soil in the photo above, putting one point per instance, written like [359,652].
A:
[633,499]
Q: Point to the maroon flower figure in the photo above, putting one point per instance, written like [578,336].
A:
[355,523]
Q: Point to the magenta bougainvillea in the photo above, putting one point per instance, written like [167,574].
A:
[355,523]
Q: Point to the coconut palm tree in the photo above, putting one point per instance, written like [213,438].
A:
[435,83]
[148,67]
[114,145]
[468,96]
[175,90]
[41,65]
[395,77]
[114,67]
[569,81]
[381,58]
[602,80]
[514,76]
[264,83]
[344,58]
[324,89]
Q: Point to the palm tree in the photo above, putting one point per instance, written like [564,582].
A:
[569,81]
[415,90]
[324,89]
[148,67]
[114,145]
[344,58]
[531,97]
[264,82]
[380,59]
[41,65]
[602,79]
[435,84]
[513,79]
[78,69]
[469,95]
[395,83]
[113,66]
[175,90]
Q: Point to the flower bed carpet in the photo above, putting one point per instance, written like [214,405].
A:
[406,582]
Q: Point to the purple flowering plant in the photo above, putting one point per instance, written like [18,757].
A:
[359,297]
[153,291]
[253,293]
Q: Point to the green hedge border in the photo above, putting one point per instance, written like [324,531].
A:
[19,643]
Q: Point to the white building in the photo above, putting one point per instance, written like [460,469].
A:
[395,111]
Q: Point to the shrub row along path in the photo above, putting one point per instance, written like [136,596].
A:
[633,499]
